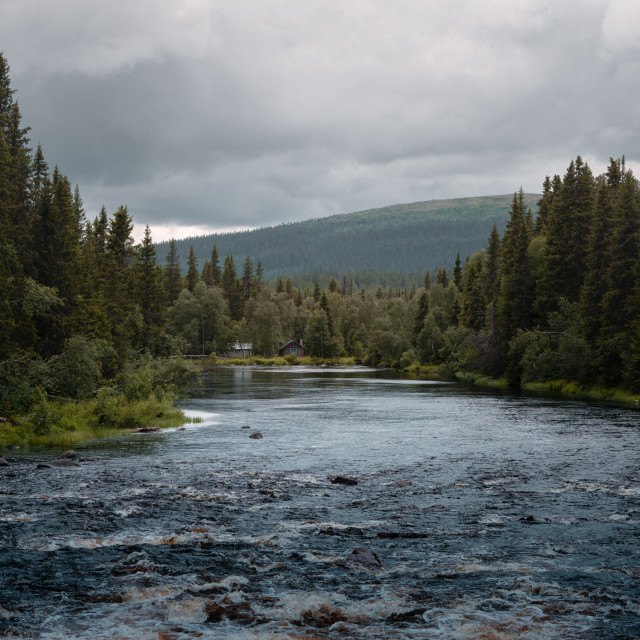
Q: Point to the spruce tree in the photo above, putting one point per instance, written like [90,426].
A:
[544,206]
[192,272]
[172,273]
[473,303]
[597,263]
[618,308]
[207,274]
[421,314]
[150,293]
[215,267]
[563,266]
[516,287]
[491,268]
[247,280]
[457,273]
[118,289]
[231,289]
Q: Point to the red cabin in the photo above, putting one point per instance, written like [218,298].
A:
[292,348]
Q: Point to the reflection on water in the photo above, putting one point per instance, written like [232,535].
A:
[487,515]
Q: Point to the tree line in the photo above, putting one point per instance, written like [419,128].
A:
[554,296]
[557,297]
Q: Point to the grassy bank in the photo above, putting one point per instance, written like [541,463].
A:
[144,393]
[288,361]
[64,422]
[565,388]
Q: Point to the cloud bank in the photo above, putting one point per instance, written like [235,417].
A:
[213,115]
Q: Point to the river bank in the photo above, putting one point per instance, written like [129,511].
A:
[556,388]
[143,394]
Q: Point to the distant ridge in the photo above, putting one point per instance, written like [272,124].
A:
[398,239]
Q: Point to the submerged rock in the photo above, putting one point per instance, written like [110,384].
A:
[3,463]
[241,612]
[403,483]
[256,436]
[364,556]
[246,426]
[71,455]
[145,430]
[344,480]
[59,464]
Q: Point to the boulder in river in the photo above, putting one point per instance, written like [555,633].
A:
[256,436]
[364,556]
[71,455]
[3,463]
[145,430]
[344,480]
[59,464]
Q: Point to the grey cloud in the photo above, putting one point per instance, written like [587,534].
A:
[245,114]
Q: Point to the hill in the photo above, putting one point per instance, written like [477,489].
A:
[400,240]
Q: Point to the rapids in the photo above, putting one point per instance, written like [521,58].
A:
[493,516]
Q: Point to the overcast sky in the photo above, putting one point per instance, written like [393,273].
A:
[208,114]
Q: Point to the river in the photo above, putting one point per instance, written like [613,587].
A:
[478,514]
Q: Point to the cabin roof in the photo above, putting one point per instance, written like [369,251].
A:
[242,346]
[291,342]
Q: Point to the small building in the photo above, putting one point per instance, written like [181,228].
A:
[240,350]
[292,348]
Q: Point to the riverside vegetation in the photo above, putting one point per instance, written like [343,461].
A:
[88,320]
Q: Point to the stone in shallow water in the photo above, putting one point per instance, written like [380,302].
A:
[256,436]
[71,455]
[344,480]
[58,464]
[3,463]
[364,556]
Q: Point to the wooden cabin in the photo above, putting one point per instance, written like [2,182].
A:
[240,350]
[292,348]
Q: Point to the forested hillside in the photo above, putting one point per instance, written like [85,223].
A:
[401,239]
